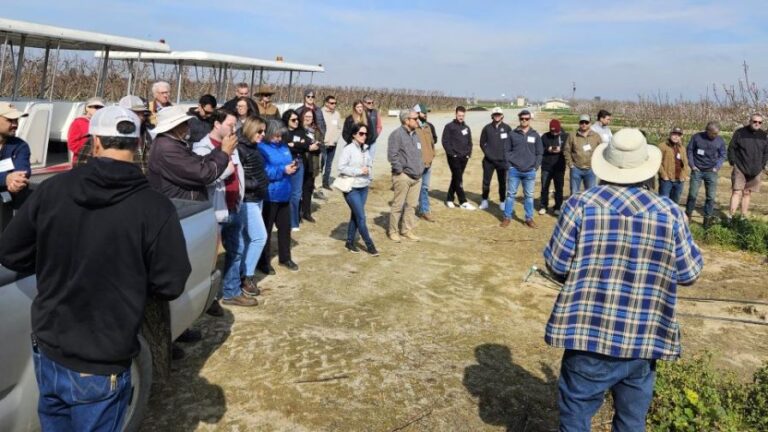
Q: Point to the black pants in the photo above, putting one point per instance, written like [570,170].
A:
[277,213]
[307,189]
[547,177]
[489,166]
[457,166]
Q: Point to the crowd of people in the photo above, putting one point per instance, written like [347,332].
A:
[258,168]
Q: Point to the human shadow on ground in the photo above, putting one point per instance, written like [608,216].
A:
[186,399]
[508,395]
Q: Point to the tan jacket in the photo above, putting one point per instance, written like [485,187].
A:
[667,168]
[333,126]
[579,148]
[424,132]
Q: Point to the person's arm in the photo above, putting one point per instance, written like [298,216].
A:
[691,152]
[483,139]
[688,259]
[346,133]
[663,174]
[539,149]
[561,249]
[378,123]
[569,143]
[434,133]
[446,140]
[18,250]
[469,141]
[732,149]
[274,171]
[167,261]
[393,152]
[320,120]
[721,154]
[345,163]
[186,169]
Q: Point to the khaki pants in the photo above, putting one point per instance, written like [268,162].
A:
[404,203]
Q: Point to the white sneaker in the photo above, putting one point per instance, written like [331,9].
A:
[501,206]
[542,211]
[483,205]
[450,204]
[468,206]
[295,229]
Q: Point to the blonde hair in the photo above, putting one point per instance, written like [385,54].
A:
[359,118]
[251,125]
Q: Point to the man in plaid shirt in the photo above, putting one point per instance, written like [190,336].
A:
[621,251]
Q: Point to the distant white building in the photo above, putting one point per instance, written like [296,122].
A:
[556,103]
[521,101]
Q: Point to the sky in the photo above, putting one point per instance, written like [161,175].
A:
[615,50]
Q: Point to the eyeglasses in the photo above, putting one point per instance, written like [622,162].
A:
[362,133]
[310,96]
[368,102]
[525,118]
[583,122]
[331,103]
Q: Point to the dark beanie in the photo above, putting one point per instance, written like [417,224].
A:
[554,125]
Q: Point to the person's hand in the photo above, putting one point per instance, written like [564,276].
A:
[291,168]
[229,143]
[364,171]
[16,181]
[665,178]
[694,169]
[314,147]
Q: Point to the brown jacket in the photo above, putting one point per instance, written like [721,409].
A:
[424,132]
[667,168]
[576,151]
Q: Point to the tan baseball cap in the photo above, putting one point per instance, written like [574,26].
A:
[10,112]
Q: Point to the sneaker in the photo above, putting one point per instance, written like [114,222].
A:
[542,211]
[215,309]
[450,204]
[290,265]
[249,287]
[501,206]
[351,247]
[394,237]
[372,251]
[410,236]
[556,212]
[483,205]
[241,300]
[505,223]
[297,229]
[468,206]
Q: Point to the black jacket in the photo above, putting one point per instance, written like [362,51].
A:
[457,139]
[256,180]
[198,126]
[553,161]
[101,241]
[748,151]
[494,139]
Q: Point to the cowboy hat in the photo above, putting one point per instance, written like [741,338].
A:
[264,90]
[626,159]
[170,117]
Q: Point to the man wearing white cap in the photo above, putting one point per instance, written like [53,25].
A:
[101,242]
[15,168]
[173,169]
[621,251]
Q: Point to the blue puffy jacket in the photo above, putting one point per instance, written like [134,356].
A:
[276,157]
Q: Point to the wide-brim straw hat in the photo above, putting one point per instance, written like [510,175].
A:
[626,159]
[170,117]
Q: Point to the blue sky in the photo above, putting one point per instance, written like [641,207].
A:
[616,50]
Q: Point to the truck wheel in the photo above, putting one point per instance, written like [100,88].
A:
[141,383]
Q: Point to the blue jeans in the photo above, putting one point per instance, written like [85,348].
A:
[326,160]
[424,194]
[231,233]
[514,178]
[356,201]
[579,176]
[71,401]
[671,188]
[253,236]
[710,185]
[584,379]
[297,180]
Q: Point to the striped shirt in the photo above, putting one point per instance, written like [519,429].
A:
[622,250]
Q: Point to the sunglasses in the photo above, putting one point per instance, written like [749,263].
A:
[310,96]
[756,122]
[98,107]
[583,122]
[525,118]
[293,119]
[261,131]
[368,102]
[362,133]
[331,103]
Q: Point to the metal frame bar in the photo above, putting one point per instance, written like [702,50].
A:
[55,70]
[17,73]
[290,86]
[179,67]
[2,61]
[103,75]
[41,92]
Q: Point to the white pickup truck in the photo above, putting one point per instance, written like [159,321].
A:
[163,323]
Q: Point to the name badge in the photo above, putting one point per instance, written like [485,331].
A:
[335,122]
[587,147]
[700,152]
[296,138]
[6,165]
[677,156]
[504,136]
[464,131]
[311,136]
[531,139]
[418,145]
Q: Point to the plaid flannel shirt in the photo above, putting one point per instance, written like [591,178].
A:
[622,250]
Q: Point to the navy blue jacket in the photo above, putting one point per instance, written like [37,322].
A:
[526,150]
[706,154]
[18,150]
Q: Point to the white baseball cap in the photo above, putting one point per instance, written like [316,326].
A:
[106,120]
[497,110]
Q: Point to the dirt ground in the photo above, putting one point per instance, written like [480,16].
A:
[439,335]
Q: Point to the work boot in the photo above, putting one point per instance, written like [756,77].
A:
[240,300]
[530,223]
[249,287]
[505,223]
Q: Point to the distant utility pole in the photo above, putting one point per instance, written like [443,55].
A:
[573,92]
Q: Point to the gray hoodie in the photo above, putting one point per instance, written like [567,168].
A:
[404,153]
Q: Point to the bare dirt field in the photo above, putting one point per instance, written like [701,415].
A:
[438,335]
